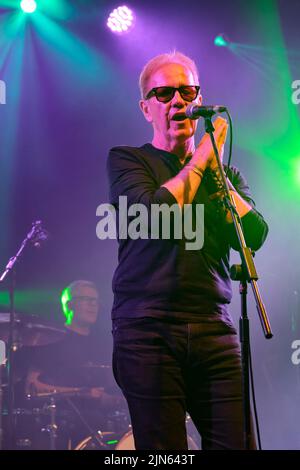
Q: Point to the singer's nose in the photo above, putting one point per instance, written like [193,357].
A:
[177,99]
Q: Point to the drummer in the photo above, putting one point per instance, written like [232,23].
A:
[74,363]
[72,370]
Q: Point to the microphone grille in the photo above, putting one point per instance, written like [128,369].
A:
[189,112]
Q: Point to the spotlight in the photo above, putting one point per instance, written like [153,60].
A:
[120,20]
[297,171]
[221,41]
[28,6]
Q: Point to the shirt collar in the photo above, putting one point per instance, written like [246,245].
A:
[167,156]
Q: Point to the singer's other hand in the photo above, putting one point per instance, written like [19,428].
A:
[205,152]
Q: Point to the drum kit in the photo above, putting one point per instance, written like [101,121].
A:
[56,418]
[68,418]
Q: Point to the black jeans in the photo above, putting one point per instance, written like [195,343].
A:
[167,369]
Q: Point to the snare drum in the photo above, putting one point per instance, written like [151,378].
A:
[127,443]
[104,441]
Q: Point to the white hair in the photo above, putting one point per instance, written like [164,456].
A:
[73,287]
[158,61]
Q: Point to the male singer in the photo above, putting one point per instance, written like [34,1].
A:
[175,347]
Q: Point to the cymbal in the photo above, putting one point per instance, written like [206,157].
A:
[30,330]
[89,375]
[96,365]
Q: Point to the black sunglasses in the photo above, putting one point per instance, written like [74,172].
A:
[166,93]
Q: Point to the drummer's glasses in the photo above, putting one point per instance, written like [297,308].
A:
[83,298]
[164,94]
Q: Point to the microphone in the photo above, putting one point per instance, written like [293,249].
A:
[194,111]
[38,234]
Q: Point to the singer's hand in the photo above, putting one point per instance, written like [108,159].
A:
[204,155]
[220,144]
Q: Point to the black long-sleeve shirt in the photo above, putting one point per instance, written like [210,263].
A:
[159,277]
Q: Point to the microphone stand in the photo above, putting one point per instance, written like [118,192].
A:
[248,274]
[35,236]
[1,406]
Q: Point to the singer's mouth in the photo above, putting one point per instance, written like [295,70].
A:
[179,117]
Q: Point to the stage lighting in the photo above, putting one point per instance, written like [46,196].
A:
[297,171]
[28,6]
[120,20]
[220,41]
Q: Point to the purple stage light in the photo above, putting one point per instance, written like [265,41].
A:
[120,20]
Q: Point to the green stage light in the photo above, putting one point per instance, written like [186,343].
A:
[113,442]
[220,41]
[65,299]
[297,171]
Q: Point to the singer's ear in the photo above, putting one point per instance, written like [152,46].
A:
[199,99]
[144,105]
